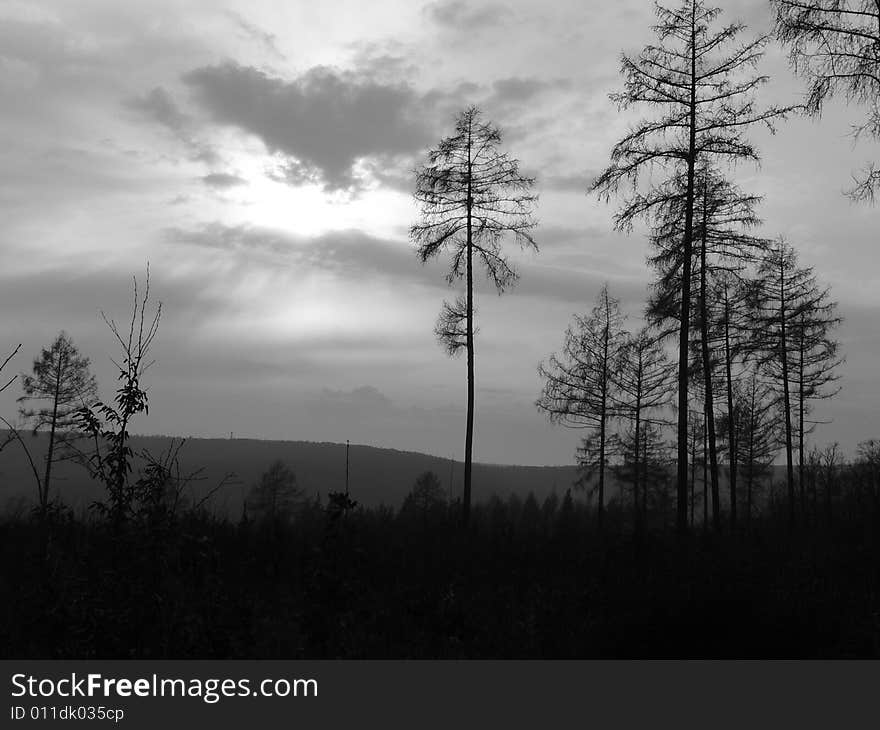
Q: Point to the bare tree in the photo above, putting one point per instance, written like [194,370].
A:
[426,501]
[60,377]
[816,361]
[699,79]
[579,387]
[275,497]
[110,460]
[471,196]
[645,382]
[794,319]
[757,433]
[733,328]
[834,45]
[723,246]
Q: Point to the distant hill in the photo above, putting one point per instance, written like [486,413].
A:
[377,476]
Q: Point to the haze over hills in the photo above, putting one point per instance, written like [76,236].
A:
[376,475]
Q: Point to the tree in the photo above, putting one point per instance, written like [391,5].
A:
[793,319]
[60,378]
[723,245]
[833,45]
[276,495]
[829,468]
[426,500]
[471,195]
[816,360]
[756,432]
[733,327]
[579,388]
[645,381]
[107,424]
[700,85]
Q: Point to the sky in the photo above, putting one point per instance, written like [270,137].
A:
[258,156]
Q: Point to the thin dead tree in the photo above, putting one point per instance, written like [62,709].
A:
[580,390]
[110,460]
[645,383]
[791,311]
[471,196]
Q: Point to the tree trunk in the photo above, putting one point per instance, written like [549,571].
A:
[731,424]
[684,329]
[801,406]
[705,476]
[44,497]
[637,514]
[786,395]
[709,407]
[603,417]
[469,433]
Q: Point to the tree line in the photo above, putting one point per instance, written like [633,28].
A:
[753,328]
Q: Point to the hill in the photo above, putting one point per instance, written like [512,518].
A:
[377,476]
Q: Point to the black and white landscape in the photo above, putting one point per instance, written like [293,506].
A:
[439,329]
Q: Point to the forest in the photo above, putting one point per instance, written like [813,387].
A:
[708,518]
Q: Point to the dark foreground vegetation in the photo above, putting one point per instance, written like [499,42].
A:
[524,580]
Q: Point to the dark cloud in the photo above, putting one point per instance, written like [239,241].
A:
[354,254]
[461,15]
[325,120]
[577,183]
[223,180]
[350,253]
[364,396]
[159,106]
[518,90]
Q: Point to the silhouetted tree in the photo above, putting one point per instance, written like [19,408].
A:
[645,382]
[789,306]
[816,360]
[471,194]
[107,424]
[426,501]
[276,496]
[733,327]
[830,460]
[697,78]
[579,387]
[723,245]
[756,431]
[833,45]
[62,379]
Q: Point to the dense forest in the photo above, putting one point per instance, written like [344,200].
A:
[707,518]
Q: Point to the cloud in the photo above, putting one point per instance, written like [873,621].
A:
[223,180]
[365,396]
[518,90]
[578,183]
[325,121]
[461,15]
[159,106]
[355,255]
[267,40]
